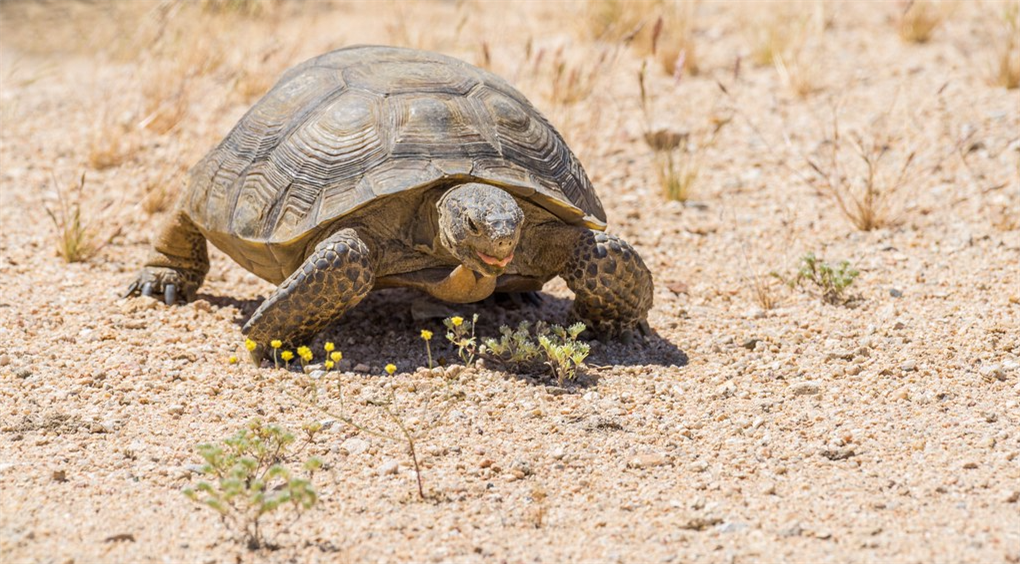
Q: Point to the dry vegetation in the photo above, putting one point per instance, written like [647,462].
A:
[733,144]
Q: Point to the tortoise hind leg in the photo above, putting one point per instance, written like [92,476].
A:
[611,284]
[332,280]
[177,265]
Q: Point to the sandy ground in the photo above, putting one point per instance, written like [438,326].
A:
[881,431]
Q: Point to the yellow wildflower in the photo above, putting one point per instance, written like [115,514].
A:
[457,321]
[305,353]
[391,368]
[250,344]
[287,355]
[232,359]
[329,347]
[275,343]
[336,356]
[426,334]
[329,365]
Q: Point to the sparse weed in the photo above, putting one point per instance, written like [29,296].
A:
[831,282]
[920,19]
[167,98]
[776,33]
[618,20]
[77,239]
[160,190]
[867,194]
[552,346]
[670,40]
[409,428]
[677,154]
[762,288]
[799,74]
[240,7]
[574,81]
[788,39]
[249,479]
[111,143]
[1006,67]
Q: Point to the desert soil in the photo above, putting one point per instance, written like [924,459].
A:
[881,430]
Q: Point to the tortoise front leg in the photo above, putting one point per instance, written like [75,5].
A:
[612,285]
[177,265]
[332,280]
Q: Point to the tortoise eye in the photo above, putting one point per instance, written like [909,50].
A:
[473,227]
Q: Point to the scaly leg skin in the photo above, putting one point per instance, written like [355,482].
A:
[332,280]
[611,284]
[177,265]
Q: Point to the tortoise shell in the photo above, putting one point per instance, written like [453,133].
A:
[360,123]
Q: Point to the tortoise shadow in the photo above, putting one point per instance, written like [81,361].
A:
[386,326]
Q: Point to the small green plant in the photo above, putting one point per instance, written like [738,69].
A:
[461,333]
[830,281]
[552,346]
[249,479]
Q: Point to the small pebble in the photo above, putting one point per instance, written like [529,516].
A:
[647,461]
[895,292]
[59,475]
[354,446]
[362,368]
[389,467]
[699,465]
[993,372]
[970,465]
[805,388]
[909,366]
[1011,496]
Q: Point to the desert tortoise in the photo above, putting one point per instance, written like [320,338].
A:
[372,167]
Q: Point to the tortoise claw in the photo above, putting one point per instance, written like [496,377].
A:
[644,329]
[147,289]
[170,294]
[532,298]
[131,289]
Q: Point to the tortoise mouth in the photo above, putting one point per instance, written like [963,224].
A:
[493,261]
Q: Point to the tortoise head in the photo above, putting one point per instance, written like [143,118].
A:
[480,225]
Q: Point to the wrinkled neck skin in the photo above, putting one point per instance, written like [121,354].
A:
[480,225]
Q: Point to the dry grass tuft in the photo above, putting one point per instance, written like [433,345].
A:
[618,20]
[251,8]
[1006,67]
[663,29]
[258,71]
[868,188]
[920,19]
[789,38]
[575,81]
[677,155]
[161,189]
[111,143]
[77,239]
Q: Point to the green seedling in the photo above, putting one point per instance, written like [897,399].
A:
[248,479]
[830,281]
